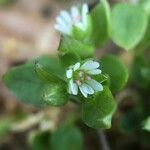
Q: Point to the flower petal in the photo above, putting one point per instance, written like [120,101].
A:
[94,72]
[90,65]
[66,29]
[69,73]
[66,16]
[85,9]
[76,66]
[73,87]
[75,12]
[87,89]
[84,14]
[95,85]
[59,28]
[63,29]
[82,91]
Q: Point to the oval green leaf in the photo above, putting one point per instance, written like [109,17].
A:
[97,112]
[129,23]
[116,70]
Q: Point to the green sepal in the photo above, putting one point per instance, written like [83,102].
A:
[55,95]
[44,74]
[82,35]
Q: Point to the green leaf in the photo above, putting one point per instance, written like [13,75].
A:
[101,23]
[116,70]
[97,112]
[129,23]
[139,63]
[44,75]
[48,75]
[146,6]
[23,82]
[55,95]
[69,138]
[131,121]
[146,124]
[145,44]
[70,45]
[40,141]
[146,73]
[68,59]
[51,66]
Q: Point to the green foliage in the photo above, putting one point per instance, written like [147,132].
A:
[146,124]
[24,84]
[131,121]
[70,45]
[101,23]
[97,112]
[4,3]
[140,71]
[55,95]
[116,70]
[146,6]
[146,74]
[67,138]
[44,74]
[129,24]
[4,126]
[145,44]
[44,81]
[41,141]
[68,59]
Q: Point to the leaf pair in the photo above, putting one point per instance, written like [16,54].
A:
[36,83]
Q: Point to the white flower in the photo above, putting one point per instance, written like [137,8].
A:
[79,77]
[76,17]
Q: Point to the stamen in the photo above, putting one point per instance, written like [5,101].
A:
[75,20]
[78,82]
[82,78]
[88,78]
[81,73]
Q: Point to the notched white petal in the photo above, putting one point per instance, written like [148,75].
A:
[85,9]
[94,72]
[87,89]
[85,18]
[83,92]
[90,65]
[66,16]
[95,85]
[75,12]
[76,66]
[73,87]
[69,73]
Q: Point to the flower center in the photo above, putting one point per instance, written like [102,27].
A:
[76,19]
[80,76]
